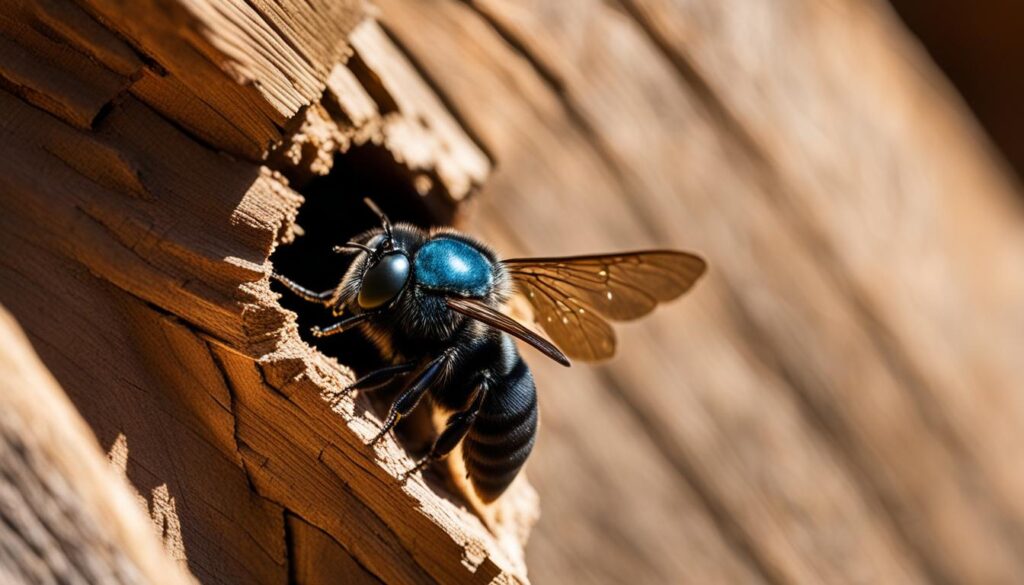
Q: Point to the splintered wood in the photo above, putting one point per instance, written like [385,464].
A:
[839,401]
[137,224]
[378,97]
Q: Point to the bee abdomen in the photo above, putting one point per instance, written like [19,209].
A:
[503,434]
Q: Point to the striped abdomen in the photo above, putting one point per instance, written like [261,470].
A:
[503,434]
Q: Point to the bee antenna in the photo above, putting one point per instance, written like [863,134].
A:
[350,246]
[384,221]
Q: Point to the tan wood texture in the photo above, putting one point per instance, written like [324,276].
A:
[137,225]
[840,400]
[837,402]
[67,516]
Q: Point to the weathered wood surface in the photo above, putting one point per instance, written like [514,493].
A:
[137,222]
[840,400]
[65,515]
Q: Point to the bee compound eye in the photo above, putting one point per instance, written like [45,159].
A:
[383,281]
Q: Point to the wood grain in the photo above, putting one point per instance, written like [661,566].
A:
[319,561]
[65,516]
[830,392]
[46,59]
[835,403]
[137,239]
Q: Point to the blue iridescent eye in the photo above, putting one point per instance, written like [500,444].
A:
[383,281]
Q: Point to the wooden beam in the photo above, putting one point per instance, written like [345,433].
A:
[66,515]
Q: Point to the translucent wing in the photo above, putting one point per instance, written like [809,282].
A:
[481,312]
[573,296]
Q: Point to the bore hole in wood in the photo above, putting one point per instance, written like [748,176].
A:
[333,212]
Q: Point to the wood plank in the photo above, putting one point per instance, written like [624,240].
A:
[66,516]
[48,57]
[159,242]
[316,29]
[897,227]
[843,408]
[246,62]
[299,455]
[318,560]
[164,418]
[132,207]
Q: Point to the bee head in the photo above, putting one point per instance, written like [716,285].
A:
[387,268]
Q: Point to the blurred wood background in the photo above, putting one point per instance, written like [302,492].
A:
[979,47]
[839,401]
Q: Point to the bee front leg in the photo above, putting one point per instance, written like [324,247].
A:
[410,397]
[340,326]
[455,430]
[323,297]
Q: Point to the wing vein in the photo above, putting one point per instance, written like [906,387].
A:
[617,287]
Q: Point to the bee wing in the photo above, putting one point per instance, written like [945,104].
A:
[476,309]
[573,296]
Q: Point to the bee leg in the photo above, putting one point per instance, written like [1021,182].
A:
[323,298]
[380,377]
[340,326]
[411,396]
[455,430]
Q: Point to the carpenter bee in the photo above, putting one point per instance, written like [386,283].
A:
[431,300]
